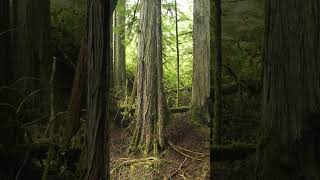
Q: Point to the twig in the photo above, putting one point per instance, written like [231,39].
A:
[199,153]
[25,99]
[35,121]
[9,105]
[51,122]
[23,164]
[176,171]
[182,153]
[24,78]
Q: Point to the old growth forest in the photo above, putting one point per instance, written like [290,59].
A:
[159,89]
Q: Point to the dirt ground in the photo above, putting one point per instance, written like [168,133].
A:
[186,155]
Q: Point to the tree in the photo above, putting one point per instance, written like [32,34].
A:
[218,69]
[120,50]
[177,49]
[289,148]
[151,105]
[4,41]
[201,62]
[31,21]
[99,13]
[5,110]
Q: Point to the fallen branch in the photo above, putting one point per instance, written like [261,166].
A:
[183,153]
[193,152]
[179,169]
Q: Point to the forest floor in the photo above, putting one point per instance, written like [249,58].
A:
[186,155]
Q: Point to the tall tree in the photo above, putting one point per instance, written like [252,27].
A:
[99,13]
[291,98]
[5,110]
[218,68]
[4,41]
[151,105]
[201,62]
[31,21]
[177,49]
[120,49]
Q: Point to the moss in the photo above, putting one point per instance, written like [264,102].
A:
[199,115]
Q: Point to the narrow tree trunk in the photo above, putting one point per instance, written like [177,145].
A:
[177,49]
[201,62]
[120,51]
[289,147]
[218,68]
[151,104]
[5,42]
[72,124]
[98,61]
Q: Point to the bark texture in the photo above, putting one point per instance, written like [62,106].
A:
[120,50]
[218,75]
[31,21]
[177,49]
[72,125]
[98,61]
[201,62]
[4,42]
[289,146]
[151,105]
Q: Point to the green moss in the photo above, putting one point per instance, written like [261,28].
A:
[199,115]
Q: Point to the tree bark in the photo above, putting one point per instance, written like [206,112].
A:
[31,33]
[218,76]
[4,42]
[151,105]
[289,147]
[72,124]
[177,49]
[120,50]
[98,62]
[201,62]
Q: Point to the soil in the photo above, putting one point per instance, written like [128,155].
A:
[186,155]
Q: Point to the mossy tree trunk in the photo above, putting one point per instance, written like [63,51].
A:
[201,62]
[289,150]
[120,49]
[151,105]
[178,53]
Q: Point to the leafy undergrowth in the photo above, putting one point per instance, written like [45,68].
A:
[186,155]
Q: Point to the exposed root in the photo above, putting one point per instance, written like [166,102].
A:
[183,152]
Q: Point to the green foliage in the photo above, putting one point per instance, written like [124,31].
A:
[242,33]
[67,26]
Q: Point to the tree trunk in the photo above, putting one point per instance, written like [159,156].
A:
[289,147]
[98,62]
[177,49]
[201,62]
[151,105]
[72,124]
[31,48]
[218,68]
[4,42]
[120,50]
